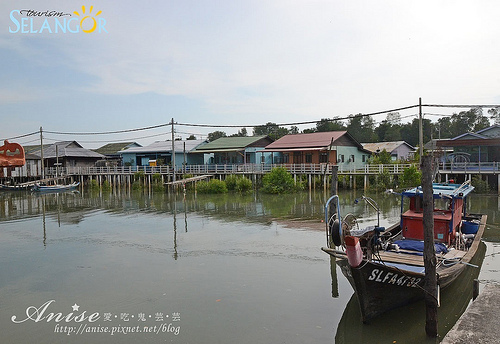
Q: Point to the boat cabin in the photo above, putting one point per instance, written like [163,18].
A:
[449,206]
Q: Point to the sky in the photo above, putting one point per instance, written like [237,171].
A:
[241,63]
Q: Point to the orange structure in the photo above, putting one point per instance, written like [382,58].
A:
[11,155]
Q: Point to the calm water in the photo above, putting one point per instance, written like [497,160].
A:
[127,268]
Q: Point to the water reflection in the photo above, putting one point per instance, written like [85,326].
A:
[135,252]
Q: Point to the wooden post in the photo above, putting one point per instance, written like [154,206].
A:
[333,187]
[430,261]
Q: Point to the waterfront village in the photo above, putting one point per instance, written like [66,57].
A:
[310,154]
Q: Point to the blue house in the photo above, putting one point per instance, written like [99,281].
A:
[237,150]
[160,153]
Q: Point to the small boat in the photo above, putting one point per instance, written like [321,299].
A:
[385,267]
[15,187]
[55,188]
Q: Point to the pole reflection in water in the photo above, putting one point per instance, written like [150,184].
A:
[44,223]
[175,255]
[335,282]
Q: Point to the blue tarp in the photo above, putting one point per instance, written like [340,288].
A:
[417,245]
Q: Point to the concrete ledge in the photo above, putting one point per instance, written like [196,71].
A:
[480,322]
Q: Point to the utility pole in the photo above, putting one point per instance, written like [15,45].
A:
[430,260]
[173,151]
[420,129]
[41,152]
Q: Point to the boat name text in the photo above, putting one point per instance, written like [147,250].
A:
[393,278]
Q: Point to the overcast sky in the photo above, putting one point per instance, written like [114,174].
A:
[237,62]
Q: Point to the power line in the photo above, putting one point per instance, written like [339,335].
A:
[17,137]
[461,106]
[258,125]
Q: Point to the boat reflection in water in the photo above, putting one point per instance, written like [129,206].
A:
[407,324]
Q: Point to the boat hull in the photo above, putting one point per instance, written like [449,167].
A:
[55,188]
[381,288]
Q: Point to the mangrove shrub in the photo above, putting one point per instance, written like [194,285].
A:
[278,181]
[215,186]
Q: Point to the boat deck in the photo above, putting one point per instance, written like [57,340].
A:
[415,259]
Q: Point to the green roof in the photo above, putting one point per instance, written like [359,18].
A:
[113,148]
[234,143]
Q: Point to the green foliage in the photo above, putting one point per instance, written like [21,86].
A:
[383,157]
[382,182]
[243,185]
[480,185]
[137,185]
[216,135]
[214,186]
[231,181]
[271,129]
[139,175]
[412,176]
[94,185]
[106,186]
[278,181]
[238,183]
[157,178]
[329,125]
[158,183]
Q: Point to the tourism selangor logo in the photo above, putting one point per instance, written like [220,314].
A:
[30,21]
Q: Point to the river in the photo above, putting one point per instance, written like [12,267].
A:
[124,267]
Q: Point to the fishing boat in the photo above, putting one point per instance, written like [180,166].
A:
[385,266]
[55,188]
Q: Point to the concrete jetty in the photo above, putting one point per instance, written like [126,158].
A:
[479,323]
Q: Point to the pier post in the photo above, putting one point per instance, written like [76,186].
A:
[430,260]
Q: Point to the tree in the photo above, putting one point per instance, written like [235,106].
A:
[192,137]
[361,128]
[410,131]
[271,129]
[467,121]
[443,128]
[294,130]
[387,132]
[216,135]
[495,115]
[383,157]
[240,133]
[329,125]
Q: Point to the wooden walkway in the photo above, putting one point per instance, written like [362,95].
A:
[189,180]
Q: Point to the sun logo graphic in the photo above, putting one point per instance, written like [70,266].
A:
[88,21]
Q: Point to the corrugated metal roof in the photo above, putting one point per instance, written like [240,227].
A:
[231,143]
[115,148]
[388,146]
[310,140]
[166,146]
[67,149]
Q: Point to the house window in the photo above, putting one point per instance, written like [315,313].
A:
[351,159]
[286,158]
[341,158]
[309,158]
[323,157]
[297,157]
[364,158]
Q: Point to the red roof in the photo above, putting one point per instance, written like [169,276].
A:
[311,140]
